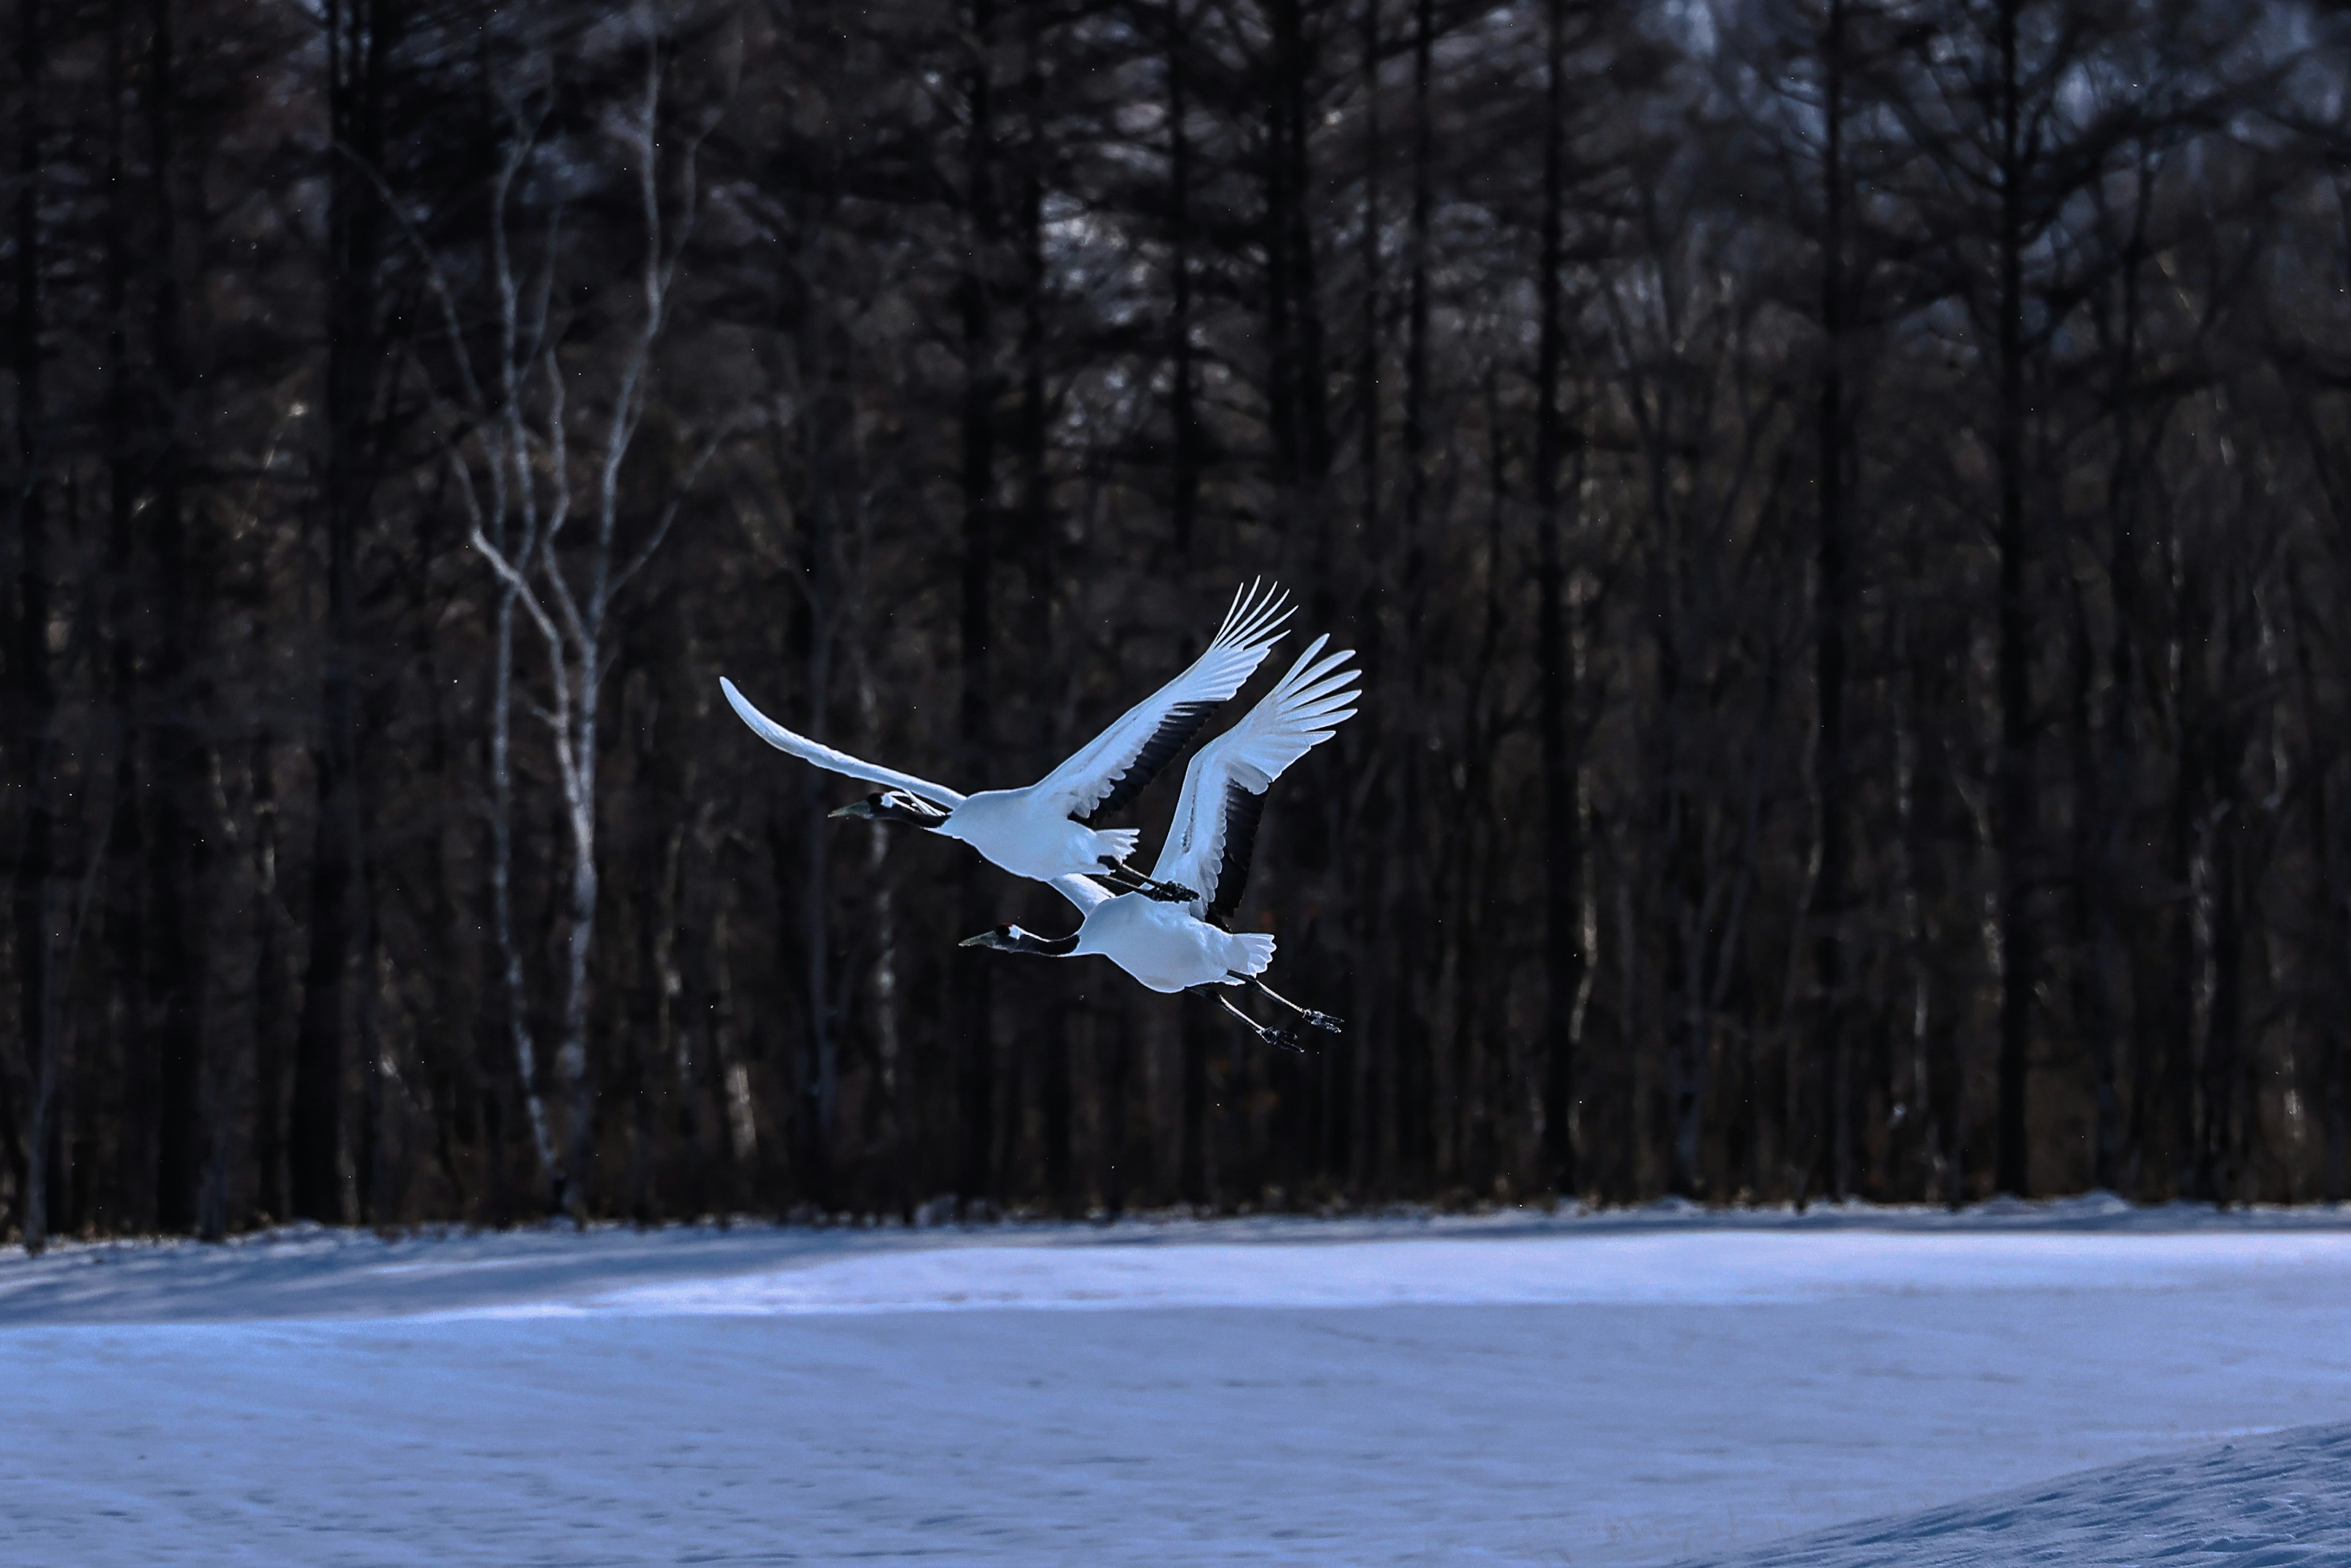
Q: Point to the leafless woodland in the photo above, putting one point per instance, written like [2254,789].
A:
[1842,505]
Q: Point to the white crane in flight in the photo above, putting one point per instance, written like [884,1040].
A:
[1040,832]
[1188,945]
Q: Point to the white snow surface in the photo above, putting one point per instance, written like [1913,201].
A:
[1617,1389]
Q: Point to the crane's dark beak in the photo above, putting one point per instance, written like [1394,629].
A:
[982,940]
[854,809]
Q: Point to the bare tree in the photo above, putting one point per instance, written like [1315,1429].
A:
[517,449]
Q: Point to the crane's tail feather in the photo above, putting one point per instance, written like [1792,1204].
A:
[1256,952]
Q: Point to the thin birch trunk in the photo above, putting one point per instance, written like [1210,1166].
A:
[34,697]
[525,474]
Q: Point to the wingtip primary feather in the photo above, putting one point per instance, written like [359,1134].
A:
[1233,611]
[1308,675]
[1339,687]
[1258,613]
[741,705]
[1324,678]
[1241,612]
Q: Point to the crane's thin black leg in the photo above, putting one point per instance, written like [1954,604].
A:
[1126,879]
[1307,1016]
[1270,1034]
[1265,1034]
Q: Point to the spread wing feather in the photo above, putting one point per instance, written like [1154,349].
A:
[832,761]
[1112,769]
[1243,812]
[1210,843]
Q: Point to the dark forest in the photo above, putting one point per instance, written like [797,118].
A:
[1844,507]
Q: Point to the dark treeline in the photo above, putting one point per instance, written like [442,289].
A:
[1842,505]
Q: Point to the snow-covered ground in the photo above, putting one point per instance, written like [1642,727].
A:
[2277,1502]
[1619,1389]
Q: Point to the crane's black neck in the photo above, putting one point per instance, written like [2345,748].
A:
[1021,941]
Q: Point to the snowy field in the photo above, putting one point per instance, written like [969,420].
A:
[1621,1389]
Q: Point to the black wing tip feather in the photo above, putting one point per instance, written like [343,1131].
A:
[1176,731]
[1243,812]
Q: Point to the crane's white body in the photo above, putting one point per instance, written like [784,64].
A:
[1017,830]
[1033,832]
[1171,947]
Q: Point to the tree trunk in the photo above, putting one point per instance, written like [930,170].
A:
[2330,924]
[2119,1143]
[2086,900]
[1361,886]
[976,1002]
[35,695]
[1923,1106]
[1832,614]
[127,903]
[887,1147]
[1047,1038]
[2224,1043]
[1296,404]
[2186,865]
[315,1145]
[579,937]
[1183,412]
[268,994]
[820,1067]
[177,848]
[1412,1043]
[1563,956]
[2016,794]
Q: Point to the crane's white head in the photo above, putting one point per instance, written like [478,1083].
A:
[894,806]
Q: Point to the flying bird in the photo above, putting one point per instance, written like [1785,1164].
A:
[1189,945]
[1040,832]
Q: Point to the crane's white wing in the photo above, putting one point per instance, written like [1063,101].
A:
[1114,767]
[1215,831]
[826,758]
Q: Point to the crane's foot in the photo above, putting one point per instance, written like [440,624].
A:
[1280,1035]
[1327,1023]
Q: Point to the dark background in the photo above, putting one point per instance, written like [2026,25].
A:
[1840,504]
